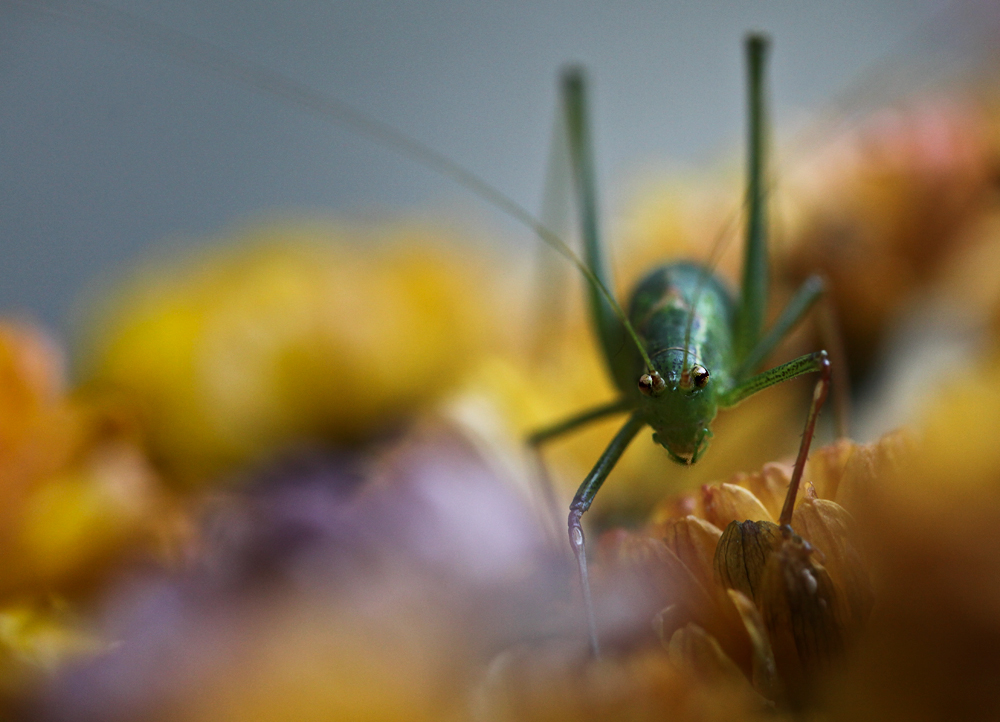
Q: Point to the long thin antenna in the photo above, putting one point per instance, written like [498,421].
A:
[114,22]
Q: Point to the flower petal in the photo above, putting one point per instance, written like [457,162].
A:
[743,553]
[727,502]
[694,541]
[694,647]
[769,486]
[831,530]
[764,671]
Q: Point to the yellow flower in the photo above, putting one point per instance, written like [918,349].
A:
[930,534]
[290,334]
[36,637]
[75,490]
[40,430]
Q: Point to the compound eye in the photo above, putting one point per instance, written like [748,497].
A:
[699,374]
[651,384]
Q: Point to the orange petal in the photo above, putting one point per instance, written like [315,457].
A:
[727,502]
[694,540]
[831,530]
[802,613]
[743,553]
[872,466]
[764,672]
[692,646]
[769,486]
[825,468]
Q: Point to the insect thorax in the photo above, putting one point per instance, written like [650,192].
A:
[685,319]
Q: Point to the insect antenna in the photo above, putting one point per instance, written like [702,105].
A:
[120,24]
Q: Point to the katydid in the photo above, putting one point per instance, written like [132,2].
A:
[697,347]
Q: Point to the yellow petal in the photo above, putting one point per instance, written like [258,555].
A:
[764,671]
[725,503]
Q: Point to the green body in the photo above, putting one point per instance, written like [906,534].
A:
[663,305]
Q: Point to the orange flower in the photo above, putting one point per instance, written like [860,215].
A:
[75,490]
[785,607]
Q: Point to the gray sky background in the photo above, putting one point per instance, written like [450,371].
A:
[108,146]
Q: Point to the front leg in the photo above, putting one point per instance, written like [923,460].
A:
[810,363]
[554,431]
[582,501]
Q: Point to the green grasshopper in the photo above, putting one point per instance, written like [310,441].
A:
[695,348]
[685,348]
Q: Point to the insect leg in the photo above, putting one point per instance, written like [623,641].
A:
[809,363]
[797,367]
[609,328]
[581,502]
[577,420]
[812,290]
[833,341]
[565,426]
[808,293]
[753,301]
[819,396]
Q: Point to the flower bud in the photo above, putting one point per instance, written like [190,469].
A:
[743,553]
[803,614]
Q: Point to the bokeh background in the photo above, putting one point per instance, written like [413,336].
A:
[271,462]
[112,147]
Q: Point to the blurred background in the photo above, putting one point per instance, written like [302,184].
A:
[112,147]
[265,384]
